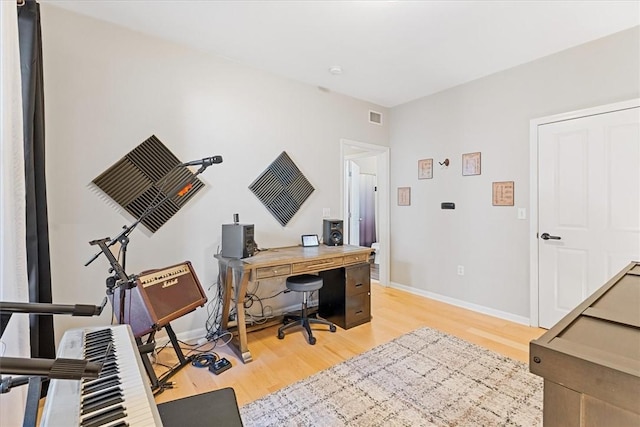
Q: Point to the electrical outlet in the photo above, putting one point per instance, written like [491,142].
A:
[326,212]
[460,270]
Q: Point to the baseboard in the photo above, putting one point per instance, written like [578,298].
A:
[193,335]
[463,304]
[196,334]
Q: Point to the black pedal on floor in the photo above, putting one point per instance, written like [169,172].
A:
[220,366]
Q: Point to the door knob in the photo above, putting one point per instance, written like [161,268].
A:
[547,236]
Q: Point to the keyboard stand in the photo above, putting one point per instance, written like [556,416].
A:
[33,400]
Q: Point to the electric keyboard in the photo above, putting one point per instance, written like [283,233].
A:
[119,397]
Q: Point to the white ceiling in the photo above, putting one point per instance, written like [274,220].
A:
[390,52]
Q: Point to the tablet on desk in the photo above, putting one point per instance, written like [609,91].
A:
[310,240]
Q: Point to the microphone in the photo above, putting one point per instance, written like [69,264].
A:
[207,161]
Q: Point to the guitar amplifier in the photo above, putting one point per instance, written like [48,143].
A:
[159,297]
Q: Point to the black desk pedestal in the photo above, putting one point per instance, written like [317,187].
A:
[345,296]
[214,408]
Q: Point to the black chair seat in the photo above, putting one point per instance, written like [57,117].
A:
[304,283]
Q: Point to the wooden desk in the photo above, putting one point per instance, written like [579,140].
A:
[236,274]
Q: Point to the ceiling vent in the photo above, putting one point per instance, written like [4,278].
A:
[375,117]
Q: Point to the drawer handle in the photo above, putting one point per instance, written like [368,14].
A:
[359,312]
[359,284]
[320,265]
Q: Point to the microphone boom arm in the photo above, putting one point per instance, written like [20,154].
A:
[123,237]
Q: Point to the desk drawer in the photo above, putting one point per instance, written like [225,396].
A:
[357,310]
[356,259]
[357,279]
[317,265]
[277,270]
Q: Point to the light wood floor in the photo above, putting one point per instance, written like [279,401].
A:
[278,363]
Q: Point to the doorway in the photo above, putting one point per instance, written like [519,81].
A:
[585,221]
[365,200]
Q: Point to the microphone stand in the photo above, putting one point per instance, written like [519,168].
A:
[120,277]
[34,368]
[125,282]
[9,308]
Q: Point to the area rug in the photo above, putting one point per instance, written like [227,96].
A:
[423,378]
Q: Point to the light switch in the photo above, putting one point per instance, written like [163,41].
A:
[522,213]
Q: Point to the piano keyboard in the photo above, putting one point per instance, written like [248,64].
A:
[119,397]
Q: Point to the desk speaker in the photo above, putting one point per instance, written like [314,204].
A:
[332,232]
[159,297]
[238,240]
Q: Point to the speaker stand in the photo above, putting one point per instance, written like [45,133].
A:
[158,385]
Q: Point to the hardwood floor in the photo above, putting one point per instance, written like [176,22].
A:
[278,363]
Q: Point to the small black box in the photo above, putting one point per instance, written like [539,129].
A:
[220,366]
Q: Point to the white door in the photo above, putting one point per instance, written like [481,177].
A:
[354,203]
[589,206]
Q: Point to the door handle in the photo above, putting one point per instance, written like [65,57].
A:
[547,236]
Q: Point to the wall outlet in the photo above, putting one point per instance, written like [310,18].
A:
[326,212]
[461,270]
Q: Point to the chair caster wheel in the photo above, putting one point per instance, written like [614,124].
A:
[312,340]
[280,335]
[332,328]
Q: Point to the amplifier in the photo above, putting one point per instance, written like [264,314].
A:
[159,297]
[238,240]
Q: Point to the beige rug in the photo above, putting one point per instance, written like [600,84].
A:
[423,378]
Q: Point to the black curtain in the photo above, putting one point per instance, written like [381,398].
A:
[38,260]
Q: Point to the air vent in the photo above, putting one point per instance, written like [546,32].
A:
[282,188]
[375,117]
[143,178]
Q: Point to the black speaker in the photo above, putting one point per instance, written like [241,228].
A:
[332,232]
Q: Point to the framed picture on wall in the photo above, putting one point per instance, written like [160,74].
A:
[503,193]
[425,169]
[471,164]
[404,196]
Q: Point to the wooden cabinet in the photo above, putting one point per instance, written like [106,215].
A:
[345,296]
[590,360]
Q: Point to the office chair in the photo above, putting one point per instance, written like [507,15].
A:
[304,283]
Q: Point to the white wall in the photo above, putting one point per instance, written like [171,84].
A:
[107,89]
[368,165]
[490,115]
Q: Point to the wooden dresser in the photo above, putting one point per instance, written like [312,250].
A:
[590,360]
